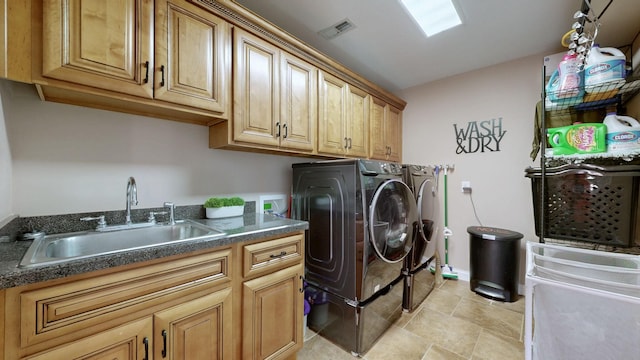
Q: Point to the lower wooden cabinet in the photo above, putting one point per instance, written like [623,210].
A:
[127,342]
[197,329]
[272,311]
[242,301]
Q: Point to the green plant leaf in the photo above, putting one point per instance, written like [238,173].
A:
[217,202]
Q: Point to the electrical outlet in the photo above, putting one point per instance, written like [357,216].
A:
[466,186]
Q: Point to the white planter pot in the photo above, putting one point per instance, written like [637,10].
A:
[223,212]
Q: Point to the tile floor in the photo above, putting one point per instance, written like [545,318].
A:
[453,323]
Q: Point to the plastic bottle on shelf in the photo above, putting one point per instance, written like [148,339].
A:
[570,77]
[565,85]
[604,70]
[623,133]
[578,139]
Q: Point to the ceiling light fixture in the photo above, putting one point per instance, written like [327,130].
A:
[433,16]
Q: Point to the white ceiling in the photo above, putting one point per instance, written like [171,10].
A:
[389,49]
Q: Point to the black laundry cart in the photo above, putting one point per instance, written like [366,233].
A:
[495,262]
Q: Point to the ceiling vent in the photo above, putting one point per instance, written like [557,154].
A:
[336,29]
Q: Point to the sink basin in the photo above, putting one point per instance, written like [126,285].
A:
[59,248]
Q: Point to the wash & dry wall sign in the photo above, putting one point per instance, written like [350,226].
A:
[479,136]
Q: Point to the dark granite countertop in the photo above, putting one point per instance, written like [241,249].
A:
[246,228]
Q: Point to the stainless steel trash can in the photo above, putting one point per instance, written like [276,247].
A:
[495,262]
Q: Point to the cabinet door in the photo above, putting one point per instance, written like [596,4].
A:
[127,342]
[393,133]
[198,329]
[255,90]
[192,56]
[299,98]
[357,124]
[272,312]
[378,147]
[331,114]
[105,44]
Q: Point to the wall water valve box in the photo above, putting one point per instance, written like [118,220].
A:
[272,203]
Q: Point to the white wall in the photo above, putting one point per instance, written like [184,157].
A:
[5,165]
[68,159]
[501,193]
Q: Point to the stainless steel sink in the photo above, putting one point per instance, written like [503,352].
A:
[59,248]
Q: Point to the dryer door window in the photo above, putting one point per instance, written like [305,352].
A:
[393,220]
[426,199]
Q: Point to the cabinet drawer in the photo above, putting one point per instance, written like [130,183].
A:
[106,300]
[271,255]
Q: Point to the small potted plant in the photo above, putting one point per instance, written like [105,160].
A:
[218,207]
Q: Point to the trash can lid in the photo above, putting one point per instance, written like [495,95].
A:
[491,233]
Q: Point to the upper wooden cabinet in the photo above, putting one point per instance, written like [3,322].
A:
[171,52]
[256,89]
[298,103]
[104,44]
[191,47]
[343,124]
[15,40]
[275,98]
[385,131]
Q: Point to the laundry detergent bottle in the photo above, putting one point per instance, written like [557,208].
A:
[578,139]
[623,133]
[570,79]
[604,69]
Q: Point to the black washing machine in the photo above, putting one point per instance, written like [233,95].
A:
[362,220]
[419,281]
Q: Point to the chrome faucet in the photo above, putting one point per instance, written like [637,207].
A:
[132,198]
[172,212]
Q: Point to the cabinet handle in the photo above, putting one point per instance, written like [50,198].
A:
[282,253]
[162,74]
[350,143]
[286,132]
[346,143]
[278,129]
[164,343]
[146,75]
[145,341]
